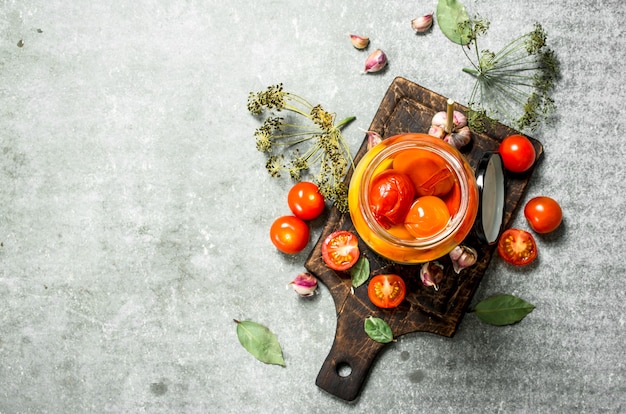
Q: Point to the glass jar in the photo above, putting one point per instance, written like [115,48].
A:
[393,241]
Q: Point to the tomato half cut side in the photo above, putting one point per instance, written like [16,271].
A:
[386,291]
[340,250]
[517,247]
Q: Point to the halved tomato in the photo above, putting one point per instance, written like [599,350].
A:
[386,291]
[340,250]
[517,247]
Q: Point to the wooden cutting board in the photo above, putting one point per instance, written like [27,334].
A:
[406,107]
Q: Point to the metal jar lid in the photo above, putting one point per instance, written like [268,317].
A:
[492,197]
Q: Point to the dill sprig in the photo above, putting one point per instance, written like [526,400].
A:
[280,135]
[514,84]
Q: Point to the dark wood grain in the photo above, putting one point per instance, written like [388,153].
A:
[406,107]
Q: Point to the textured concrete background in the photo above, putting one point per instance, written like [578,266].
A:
[134,210]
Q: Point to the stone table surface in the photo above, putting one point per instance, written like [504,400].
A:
[135,208]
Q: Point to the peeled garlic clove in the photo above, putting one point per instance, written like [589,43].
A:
[304,284]
[373,139]
[375,61]
[463,257]
[360,42]
[431,274]
[423,23]
[437,131]
[460,138]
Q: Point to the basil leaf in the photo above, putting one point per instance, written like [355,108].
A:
[378,330]
[450,15]
[360,272]
[503,310]
[260,342]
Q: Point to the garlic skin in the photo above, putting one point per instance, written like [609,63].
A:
[459,120]
[463,257]
[359,42]
[375,61]
[460,138]
[373,139]
[461,134]
[304,284]
[423,23]
[431,274]
[437,132]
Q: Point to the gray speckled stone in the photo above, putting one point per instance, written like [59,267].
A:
[134,211]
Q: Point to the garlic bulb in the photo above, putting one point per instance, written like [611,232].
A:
[460,135]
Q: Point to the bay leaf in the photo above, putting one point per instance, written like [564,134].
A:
[450,15]
[259,341]
[360,272]
[378,330]
[503,309]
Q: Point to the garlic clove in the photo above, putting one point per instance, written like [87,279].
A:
[304,284]
[463,257]
[437,131]
[439,119]
[423,23]
[459,120]
[460,138]
[431,274]
[375,61]
[373,139]
[360,42]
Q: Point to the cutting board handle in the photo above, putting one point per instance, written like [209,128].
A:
[347,365]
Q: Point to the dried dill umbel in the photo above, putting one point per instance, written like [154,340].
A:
[304,138]
[516,83]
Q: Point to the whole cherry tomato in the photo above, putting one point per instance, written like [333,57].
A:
[518,153]
[305,200]
[386,291]
[289,234]
[390,197]
[340,250]
[517,247]
[543,214]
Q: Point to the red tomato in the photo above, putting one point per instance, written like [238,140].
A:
[386,291]
[428,171]
[518,153]
[543,213]
[340,250]
[289,234]
[390,197]
[428,216]
[305,200]
[517,247]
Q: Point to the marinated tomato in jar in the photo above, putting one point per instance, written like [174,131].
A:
[415,195]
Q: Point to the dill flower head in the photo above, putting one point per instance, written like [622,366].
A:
[514,84]
[317,141]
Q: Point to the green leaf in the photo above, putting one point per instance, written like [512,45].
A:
[503,310]
[451,16]
[360,272]
[378,330]
[260,342]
